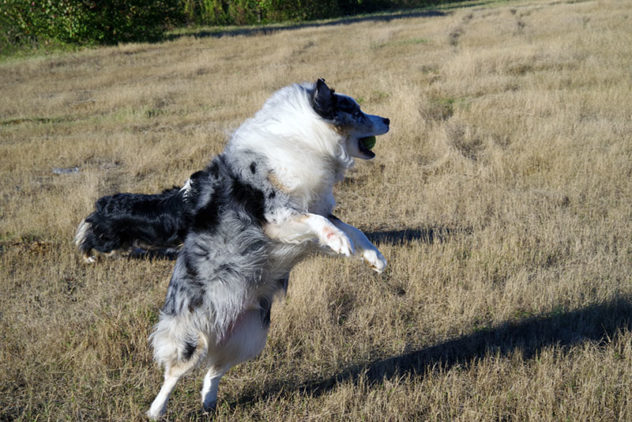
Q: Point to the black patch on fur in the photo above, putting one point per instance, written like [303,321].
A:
[125,220]
[272,195]
[190,267]
[265,306]
[189,349]
[197,300]
[250,198]
[197,179]
[284,282]
[214,169]
[253,167]
[207,217]
[323,100]
[169,308]
[346,105]
[151,222]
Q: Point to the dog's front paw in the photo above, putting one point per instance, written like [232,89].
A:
[337,241]
[375,259]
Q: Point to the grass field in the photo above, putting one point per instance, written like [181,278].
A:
[501,198]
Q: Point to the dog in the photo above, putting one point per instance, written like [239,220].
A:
[132,223]
[261,206]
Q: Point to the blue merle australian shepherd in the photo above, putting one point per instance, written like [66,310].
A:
[256,210]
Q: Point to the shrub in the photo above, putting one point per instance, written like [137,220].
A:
[299,10]
[108,22]
[29,21]
[131,20]
[87,21]
[206,11]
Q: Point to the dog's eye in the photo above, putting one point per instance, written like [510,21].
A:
[357,113]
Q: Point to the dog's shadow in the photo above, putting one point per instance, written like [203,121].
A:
[428,235]
[595,323]
[528,337]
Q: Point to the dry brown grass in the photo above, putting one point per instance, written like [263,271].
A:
[501,198]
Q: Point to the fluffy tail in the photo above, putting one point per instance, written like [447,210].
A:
[176,341]
[82,241]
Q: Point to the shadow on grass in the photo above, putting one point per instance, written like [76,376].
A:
[427,235]
[271,29]
[596,323]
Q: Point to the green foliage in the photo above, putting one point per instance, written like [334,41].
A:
[299,10]
[223,12]
[240,12]
[131,20]
[87,21]
[202,11]
[23,22]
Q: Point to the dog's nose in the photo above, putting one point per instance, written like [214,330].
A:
[386,121]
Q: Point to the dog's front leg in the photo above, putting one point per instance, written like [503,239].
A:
[364,248]
[298,228]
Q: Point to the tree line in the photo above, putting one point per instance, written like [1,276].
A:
[87,22]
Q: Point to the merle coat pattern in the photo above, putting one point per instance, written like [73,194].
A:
[127,222]
[262,205]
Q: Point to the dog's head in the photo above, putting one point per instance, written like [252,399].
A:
[357,127]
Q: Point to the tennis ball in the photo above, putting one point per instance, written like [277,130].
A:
[368,142]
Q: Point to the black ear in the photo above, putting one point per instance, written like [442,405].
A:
[323,100]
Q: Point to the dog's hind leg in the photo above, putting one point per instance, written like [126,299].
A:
[172,375]
[159,405]
[173,372]
[210,386]
[244,341]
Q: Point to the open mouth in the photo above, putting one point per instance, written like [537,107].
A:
[366,144]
